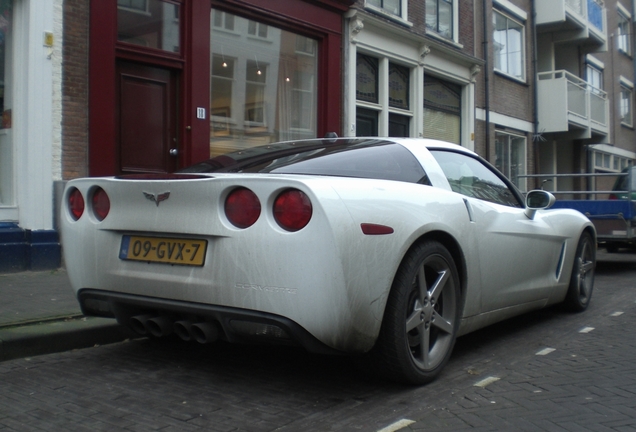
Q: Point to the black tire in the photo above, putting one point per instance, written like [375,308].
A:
[582,278]
[421,318]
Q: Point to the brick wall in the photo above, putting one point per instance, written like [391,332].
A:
[75,89]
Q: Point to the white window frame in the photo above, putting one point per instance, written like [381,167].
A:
[521,182]
[623,39]
[455,36]
[383,107]
[522,56]
[401,17]
[626,104]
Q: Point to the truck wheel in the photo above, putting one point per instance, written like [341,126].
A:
[582,279]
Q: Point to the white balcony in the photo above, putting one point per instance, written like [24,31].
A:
[573,20]
[566,103]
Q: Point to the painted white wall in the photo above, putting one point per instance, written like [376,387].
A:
[36,123]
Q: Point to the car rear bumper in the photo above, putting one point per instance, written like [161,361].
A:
[169,316]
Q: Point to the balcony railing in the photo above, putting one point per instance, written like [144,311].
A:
[566,100]
[589,16]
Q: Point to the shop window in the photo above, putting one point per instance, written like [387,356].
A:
[263,84]
[6,104]
[390,116]
[440,17]
[442,110]
[149,23]
[510,154]
[508,37]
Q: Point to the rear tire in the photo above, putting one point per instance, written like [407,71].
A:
[422,316]
[582,279]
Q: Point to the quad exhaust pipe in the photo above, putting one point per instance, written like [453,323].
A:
[202,332]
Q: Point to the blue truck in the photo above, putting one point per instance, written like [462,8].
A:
[613,212]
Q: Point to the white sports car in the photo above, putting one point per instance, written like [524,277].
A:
[390,247]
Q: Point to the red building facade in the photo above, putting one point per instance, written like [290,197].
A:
[173,82]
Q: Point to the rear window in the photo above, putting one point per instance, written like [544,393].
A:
[374,159]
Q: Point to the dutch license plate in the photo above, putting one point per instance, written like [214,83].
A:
[163,250]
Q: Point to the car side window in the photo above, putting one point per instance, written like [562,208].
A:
[469,176]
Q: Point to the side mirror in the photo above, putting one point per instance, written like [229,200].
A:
[538,200]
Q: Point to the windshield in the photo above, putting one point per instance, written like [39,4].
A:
[376,159]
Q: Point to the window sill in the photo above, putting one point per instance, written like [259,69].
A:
[388,15]
[511,78]
[438,36]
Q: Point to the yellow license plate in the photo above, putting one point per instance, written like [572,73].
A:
[163,250]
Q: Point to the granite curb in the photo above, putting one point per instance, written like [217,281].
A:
[39,314]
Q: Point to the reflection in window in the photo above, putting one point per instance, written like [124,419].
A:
[442,110]
[223,20]
[624,34]
[367,78]
[263,84]
[6,103]
[149,23]
[510,156]
[257,29]
[398,86]
[439,17]
[509,46]
[391,6]
[594,78]
[626,106]
[470,177]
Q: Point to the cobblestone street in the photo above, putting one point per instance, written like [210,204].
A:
[549,370]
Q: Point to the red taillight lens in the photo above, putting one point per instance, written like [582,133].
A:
[292,210]
[242,207]
[101,204]
[76,204]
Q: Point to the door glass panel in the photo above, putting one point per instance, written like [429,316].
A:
[398,86]
[263,84]
[149,23]
[367,78]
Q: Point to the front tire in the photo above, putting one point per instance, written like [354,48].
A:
[582,279]
[422,316]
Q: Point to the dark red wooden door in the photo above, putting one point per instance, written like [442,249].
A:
[146,118]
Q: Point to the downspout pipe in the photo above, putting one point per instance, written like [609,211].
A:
[486,77]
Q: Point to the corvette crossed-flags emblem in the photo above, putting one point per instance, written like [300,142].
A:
[157,198]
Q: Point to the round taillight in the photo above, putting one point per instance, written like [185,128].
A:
[76,203]
[292,210]
[101,204]
[242,207]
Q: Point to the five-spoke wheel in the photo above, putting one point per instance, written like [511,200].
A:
[582,278]
[422,315]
